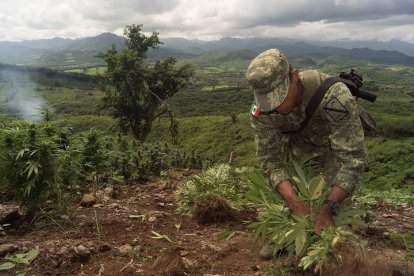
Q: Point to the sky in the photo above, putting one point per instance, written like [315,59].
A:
[323,20]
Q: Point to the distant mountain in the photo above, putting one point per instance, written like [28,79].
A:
[58,52]
[64,53]
[392,45]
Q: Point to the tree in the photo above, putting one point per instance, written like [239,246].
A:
[138,90]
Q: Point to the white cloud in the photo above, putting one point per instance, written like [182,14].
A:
[210,19]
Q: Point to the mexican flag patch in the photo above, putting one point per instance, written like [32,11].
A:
[255,111]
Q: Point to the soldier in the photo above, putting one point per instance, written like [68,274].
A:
[334,134]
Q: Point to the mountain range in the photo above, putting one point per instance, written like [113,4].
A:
[69,53]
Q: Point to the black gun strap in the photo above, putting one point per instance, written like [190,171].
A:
[317,99]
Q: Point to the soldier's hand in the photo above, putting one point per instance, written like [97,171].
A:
[324,219]
[299,208]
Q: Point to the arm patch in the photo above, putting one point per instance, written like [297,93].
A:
[336,110]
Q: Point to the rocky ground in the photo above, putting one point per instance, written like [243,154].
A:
[134,230]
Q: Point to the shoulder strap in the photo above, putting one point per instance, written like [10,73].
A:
[317,99]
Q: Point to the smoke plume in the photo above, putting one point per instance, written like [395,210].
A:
[20,95]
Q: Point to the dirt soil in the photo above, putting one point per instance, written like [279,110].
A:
[124,236]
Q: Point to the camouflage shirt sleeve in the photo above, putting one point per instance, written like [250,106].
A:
[346,136]
[269,143]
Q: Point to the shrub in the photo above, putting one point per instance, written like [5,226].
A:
[29,166]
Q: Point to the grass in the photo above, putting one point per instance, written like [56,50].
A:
[93,71]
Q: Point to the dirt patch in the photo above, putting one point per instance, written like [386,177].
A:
[213,210]
[116,237]
[352,263]
[168,263]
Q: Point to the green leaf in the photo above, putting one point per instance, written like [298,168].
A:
[137,217]
[256,177]
[300,243]
[316,186]
[302,183]
[32,254]
[177,225]
[7,266]
[160,236]
[226,234]
[300,173]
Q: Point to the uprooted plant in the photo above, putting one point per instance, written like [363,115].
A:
[220,189]
[295,234]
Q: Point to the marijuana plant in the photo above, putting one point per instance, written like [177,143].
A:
[221,180]
[287,231]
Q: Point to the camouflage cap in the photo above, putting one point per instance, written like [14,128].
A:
[268,73]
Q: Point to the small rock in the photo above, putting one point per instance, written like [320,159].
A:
[63,251]
[408,225]
[152,219]
[64,217]
[214,247]
[125,249]
[387,215]
[158,214]
[160,196]
[104,247]
[113,206]
[162,204]
[105,198]
[188,263]
[184,253]
[386,234]
[50,247]
[7,248]
[99,205]
[88,200]
[83,252]
[90,245]
[109,191]
[10,217]
[255,267]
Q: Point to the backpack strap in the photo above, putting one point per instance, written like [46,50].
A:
[317,99]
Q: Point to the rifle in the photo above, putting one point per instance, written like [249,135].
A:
[354,82]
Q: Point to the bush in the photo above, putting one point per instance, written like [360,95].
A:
[37,160]
[30,163]
[397,128]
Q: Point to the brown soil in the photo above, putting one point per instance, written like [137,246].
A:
[194,249]
[212,210]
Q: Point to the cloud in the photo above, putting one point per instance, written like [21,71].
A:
[210,19]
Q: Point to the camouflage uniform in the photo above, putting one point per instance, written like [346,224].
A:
[334,133]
